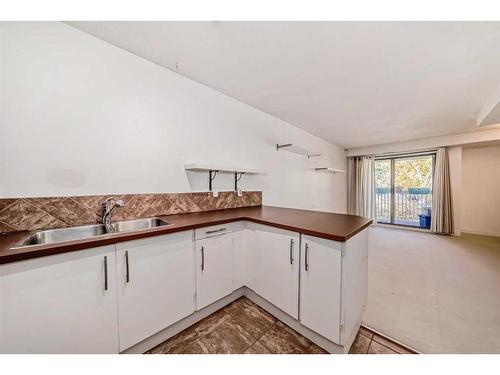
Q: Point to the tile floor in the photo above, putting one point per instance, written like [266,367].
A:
[244,328]
[437,294]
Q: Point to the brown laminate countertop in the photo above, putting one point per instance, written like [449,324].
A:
[327,225]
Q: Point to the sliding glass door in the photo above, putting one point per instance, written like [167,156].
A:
[403,192]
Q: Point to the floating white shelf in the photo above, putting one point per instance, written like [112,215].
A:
[327,169]
[219,168]
[214,169]
[297,150]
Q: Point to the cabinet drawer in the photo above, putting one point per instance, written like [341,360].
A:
[217,230]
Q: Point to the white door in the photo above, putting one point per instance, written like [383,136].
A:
[60,304]
[156,284]
[320,285]
[214,269]
[273,261]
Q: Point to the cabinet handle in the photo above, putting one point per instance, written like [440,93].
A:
[215,231]
[127,269]
[202,258]
[306,263]
[105,273]
[291,251]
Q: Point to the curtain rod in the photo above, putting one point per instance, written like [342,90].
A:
[414,152]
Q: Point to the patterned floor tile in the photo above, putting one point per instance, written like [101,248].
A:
[200,346]
[252,318]
[257,348]
[366,332]
[315,349]
[228,338]
[391,345]
[176,344]
[376,348]
[211,322]
[243,327]
[281,339]
[360,344]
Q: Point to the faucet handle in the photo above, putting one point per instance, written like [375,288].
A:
[118,203]
[106,201]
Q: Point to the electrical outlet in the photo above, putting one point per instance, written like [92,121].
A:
[215,193]
[240,193]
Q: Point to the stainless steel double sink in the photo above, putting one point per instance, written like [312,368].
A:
[88,231]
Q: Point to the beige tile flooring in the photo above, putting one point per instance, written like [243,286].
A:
[245,328]
[437,294]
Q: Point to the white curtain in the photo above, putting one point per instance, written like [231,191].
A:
[442,213]
[361,186]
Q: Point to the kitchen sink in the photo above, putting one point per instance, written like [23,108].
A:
[139,224]
[88,231]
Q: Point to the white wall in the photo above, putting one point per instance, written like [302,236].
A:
[481,190]
[79,116]
[491,134]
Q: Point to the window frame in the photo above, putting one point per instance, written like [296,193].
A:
[392,158]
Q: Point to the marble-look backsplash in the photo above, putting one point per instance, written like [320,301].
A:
[18,214]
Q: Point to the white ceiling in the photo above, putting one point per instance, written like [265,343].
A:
[352,83]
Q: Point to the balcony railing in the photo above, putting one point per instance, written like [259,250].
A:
[408,204]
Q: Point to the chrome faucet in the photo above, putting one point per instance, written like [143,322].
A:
[109,206]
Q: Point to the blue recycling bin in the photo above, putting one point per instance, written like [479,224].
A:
[425,221]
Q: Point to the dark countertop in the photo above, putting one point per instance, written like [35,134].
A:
[327,225]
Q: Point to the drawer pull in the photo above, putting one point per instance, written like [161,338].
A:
[127,268]
[215,231]
[105,273]
[306,263]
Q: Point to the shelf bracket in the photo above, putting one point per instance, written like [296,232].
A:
[278,146]
[237,179]
[211,176]
[313,155]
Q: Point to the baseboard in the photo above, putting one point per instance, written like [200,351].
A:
[466,231]
[401,227]
[390,338]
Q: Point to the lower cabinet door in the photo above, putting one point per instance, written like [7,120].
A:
[214,264]
[320,286]
[156,284]
[60,304]
[273,263]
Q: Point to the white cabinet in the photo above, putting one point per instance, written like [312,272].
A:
[354,283]
[107,299]
[156,284]
[220,261]
[273,266]
[320,286]
[60,304]
[214,276]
